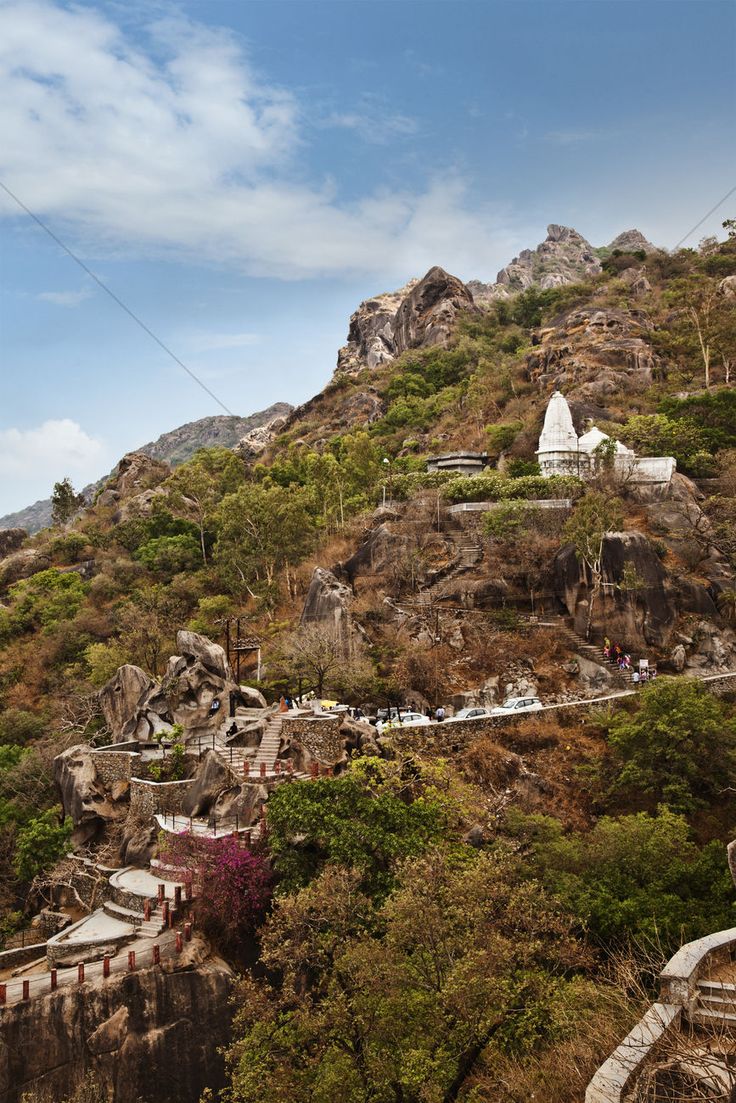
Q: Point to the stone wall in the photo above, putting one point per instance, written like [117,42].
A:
[21,955]
[115,765]
[319,735]
[149,797]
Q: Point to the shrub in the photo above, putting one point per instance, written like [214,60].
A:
[168,555]
[17,726]
[39,844]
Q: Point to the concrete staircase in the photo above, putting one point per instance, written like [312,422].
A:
[716,1004]
[469,555]
[145,928]
[268,750]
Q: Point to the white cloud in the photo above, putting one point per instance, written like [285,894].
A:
[66,298]
[170,143]
[57,448]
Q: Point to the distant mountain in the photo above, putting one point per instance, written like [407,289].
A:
[174,448]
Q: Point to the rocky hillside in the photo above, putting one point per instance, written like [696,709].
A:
[173,448]
[423,311]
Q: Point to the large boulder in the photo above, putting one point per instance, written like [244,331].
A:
[22,564]
[371,332]
[86,799]
[123,699]
[11,540]
[327,604]
[428,313]
[210,780]
[637,617]
[199,649]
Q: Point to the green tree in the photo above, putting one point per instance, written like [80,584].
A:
[397,1004]
[40,843]
[679,748]
[260,530]
[594,517]
[148,622]
[169,555]
[199,485]
[19,727]
[367,819]
[637,876]
[65,502]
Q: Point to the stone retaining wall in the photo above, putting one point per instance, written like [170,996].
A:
[21,955]
[115,765]
[319,735]
[149,797]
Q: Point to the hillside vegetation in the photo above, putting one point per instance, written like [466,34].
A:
[480,925]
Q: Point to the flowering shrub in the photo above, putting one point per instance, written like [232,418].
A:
[234,883]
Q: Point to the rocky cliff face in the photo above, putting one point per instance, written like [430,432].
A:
[563,257]
[420,314]
[147,1036]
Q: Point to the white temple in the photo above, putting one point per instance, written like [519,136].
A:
[562,452]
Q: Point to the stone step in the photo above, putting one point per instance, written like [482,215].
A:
[703,1016]
[144,927]
[719,1004]
[717,987]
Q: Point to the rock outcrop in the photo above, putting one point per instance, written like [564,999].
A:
[253,443]
[197,691]
[632,241]
[149,1035]
[22,564]
[87,799]
[11,540]
[563,257]
[327,605]
[637,617]
[592,354]
[420,314]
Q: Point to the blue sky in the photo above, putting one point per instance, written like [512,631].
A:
[243,174]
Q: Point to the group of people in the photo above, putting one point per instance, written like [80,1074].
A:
[615,655]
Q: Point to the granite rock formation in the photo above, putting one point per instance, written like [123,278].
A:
[86,798]
[149,1035]
[327,604]
[197,691]
[418,315]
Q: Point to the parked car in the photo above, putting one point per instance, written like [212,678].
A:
[474,713]
[515,705]
[407,720]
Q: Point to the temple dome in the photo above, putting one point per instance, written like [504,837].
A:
[558,432]
[590,441]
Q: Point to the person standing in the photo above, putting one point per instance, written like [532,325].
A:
[439,714]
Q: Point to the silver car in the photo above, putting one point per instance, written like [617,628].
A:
[476,712]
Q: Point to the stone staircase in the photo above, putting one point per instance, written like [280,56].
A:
[591,651]
[716,1004]
[268,751]
[145,928]
[469,555]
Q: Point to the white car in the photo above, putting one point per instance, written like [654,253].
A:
[477,712]
[408,720]
[512,706]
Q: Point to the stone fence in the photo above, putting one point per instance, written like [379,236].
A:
[531,503]
[21,955]
[149,797]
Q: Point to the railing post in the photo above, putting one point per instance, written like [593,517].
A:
[147,910]
[171,918]
[157,954]
[3,994]
[277,766]
[263,769]
[54,980]
[188,890]
[80,973]
[246,769]
[290,765]
[106,966]
[179,942]
[161,894]
[165,911]
[177,896]
[26,989]
[188,932]
[131,961]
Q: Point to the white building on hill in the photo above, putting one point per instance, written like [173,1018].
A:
[562,452]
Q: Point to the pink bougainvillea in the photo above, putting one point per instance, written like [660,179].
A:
[232,883]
